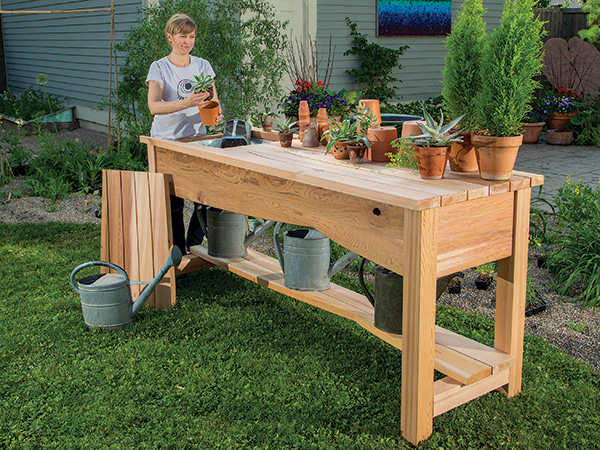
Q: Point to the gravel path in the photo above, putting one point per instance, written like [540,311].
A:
[565,325]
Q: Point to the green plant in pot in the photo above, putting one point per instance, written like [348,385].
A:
[266,120]
[510,62]
[209,110]
[357,149]
[340,135]
[462,78]
[431,147]
[286,129]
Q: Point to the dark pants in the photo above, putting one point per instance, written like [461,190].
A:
[195,235]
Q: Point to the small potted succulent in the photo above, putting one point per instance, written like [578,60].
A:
[431,147]
[266,120]
[357,149]
[286,129]
[454,285]
[209,110]
[340,134]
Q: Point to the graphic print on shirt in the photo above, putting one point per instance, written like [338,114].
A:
[184,88]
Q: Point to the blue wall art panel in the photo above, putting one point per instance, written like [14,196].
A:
[414,17]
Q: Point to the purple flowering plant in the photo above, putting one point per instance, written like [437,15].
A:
[538,112]
[564,101]
[317,96]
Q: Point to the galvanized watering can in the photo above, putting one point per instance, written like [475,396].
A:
[306,266]
[226,233]
[388,298]
[106,298]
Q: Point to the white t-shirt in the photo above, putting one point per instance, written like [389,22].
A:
[177,85]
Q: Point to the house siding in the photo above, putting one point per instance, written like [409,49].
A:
[71,49]
[422,63]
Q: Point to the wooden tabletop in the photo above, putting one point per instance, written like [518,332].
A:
[374,181]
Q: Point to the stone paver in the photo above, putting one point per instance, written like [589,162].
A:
[557,163]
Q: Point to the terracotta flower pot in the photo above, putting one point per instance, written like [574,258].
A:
[285,139]
[411,127]
[373,106]
[356,153]
[267,123]
[380,139]
[340,150]
[558,120]
[431,162]
[563,136]
[531,132]
[209,111]
[496,155]
[462,155]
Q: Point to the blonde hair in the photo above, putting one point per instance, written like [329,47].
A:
[180,23]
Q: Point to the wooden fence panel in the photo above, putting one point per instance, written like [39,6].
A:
[562,22]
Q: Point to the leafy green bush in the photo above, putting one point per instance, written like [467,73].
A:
[462,75]
[576,250]
[245,54]
[376,65]
[30,104]
[586,124]
[510,62]
[592,33]
[415,107]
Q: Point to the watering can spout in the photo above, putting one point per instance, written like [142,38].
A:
[257,232]
[173,260]
[341,263]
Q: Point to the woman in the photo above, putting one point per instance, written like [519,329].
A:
[174,105]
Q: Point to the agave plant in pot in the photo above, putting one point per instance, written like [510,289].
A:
[431,147]
[342,134]
[510,62]
[462,79]
[286,129]
[209,110]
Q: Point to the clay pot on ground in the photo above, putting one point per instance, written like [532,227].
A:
[431,162]
[558,120]
[356,153]
[340,150]
[563,136]
[209,111]
[462,155]
[496,155]
[380,139]
[285,139]
[531,132]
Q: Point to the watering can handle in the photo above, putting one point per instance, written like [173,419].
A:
[95,263]
[276,230]
[361,280]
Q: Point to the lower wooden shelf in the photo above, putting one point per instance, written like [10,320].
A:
[473,369]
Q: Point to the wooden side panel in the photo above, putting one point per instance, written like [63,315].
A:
[511,293]
[162,239]
[144,230]
[475,232]
[115,214]
[131,241]
[104,232]
[418,324]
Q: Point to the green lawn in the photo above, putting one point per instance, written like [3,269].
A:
[235,366]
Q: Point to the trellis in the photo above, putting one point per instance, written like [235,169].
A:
[111,57]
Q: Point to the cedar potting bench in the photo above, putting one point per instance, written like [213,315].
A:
[421,229]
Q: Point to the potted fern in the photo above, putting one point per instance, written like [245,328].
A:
[209,110]
[510,62]
[431,147]
[462,79]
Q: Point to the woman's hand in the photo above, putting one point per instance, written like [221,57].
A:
[196,99]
